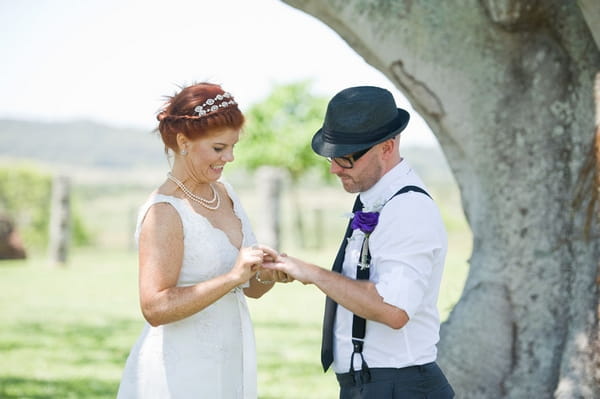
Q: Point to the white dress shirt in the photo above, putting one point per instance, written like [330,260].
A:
[408,249]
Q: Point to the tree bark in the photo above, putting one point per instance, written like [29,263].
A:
[507,88]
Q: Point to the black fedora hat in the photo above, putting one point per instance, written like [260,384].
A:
[358,118]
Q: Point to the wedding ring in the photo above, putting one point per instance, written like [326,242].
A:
[265,282]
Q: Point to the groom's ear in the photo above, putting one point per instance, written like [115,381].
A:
[388,147]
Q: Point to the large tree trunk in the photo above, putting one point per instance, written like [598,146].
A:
[507,88]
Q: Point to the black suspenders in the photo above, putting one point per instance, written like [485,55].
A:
[358,323]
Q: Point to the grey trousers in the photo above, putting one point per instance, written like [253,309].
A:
[415,382]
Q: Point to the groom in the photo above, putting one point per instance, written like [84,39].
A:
[381,322]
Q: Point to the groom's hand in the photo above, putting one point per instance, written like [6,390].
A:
[293,267]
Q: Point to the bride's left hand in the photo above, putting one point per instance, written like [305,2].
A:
[270,255]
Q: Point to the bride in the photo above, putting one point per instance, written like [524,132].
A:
[198,259]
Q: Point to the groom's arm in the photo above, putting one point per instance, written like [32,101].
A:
[358,296]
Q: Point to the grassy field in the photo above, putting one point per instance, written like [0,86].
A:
[66,332]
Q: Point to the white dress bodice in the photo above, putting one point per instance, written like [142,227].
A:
[210,354]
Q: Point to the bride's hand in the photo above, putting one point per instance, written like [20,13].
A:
[269,276]
[248,261]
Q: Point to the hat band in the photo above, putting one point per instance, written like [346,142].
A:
[336,137]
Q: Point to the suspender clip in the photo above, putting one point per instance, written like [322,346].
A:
[362,376]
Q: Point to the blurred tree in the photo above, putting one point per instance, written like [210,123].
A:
[278,133]
[279,130]
[507,88]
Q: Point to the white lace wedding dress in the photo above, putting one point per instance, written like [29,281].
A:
[210,355]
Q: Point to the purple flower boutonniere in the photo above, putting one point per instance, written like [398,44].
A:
[365,222]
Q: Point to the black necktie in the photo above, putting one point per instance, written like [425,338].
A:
[330,305]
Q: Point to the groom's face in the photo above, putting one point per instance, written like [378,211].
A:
[365,172]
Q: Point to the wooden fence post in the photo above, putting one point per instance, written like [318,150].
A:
[269,183]
[60,215]
[318,228]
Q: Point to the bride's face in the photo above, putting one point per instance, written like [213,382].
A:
[208,155]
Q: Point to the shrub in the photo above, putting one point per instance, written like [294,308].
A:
[25,196]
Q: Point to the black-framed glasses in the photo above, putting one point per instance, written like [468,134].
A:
[347,162]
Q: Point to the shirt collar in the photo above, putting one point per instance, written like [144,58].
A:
[375,197]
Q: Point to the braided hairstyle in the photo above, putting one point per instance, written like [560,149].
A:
[180,113]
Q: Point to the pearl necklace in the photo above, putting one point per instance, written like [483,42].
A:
[196,198]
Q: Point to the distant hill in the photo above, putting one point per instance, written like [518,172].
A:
[80,143]
[85,146]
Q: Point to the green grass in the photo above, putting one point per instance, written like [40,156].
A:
[66,332]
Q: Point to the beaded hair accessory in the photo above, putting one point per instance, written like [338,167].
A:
[211,105]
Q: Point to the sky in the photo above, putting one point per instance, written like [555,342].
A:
[112,61]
